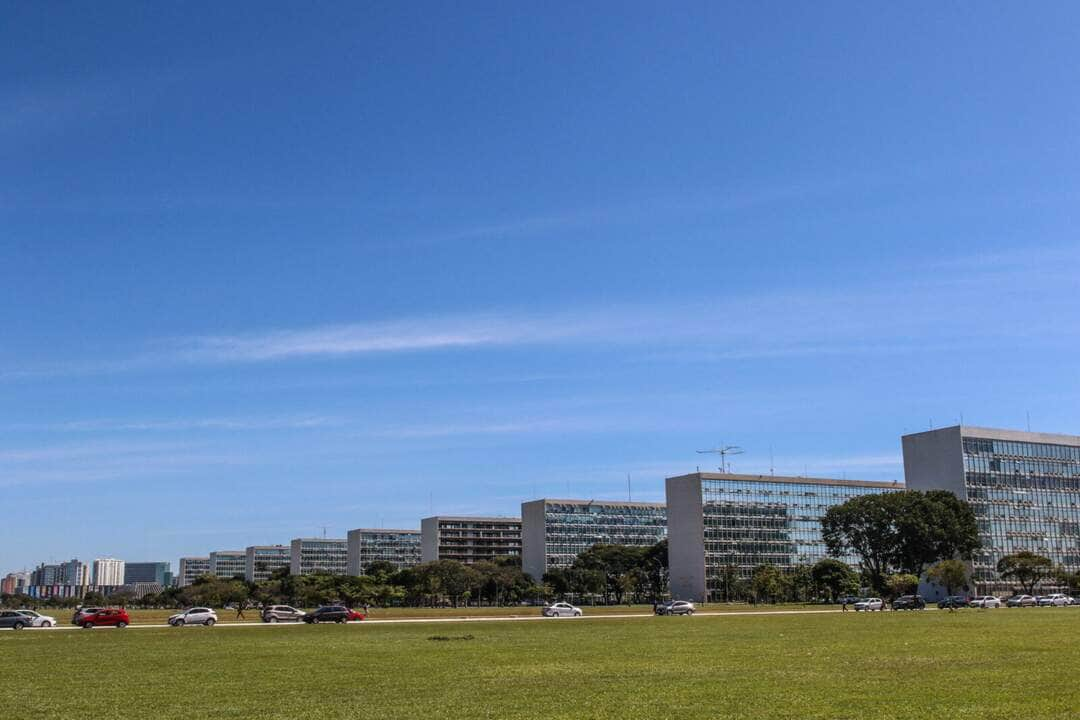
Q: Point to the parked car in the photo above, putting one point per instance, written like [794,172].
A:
[909,602]
[194,616]
[985,601]
[355,615]
[675,607]
[1053,600]
[281,613]
[849,600]
[561,609]
[869,605]
[1021,601]
[13,619]
[327,613]
[953,601]
[81,612]
[37,619]
[106,617]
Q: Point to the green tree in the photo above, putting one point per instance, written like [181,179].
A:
[949,574]
[834,578]
[767,583]
[902,584]
[1026,568]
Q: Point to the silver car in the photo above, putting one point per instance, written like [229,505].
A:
[675,607]
[38,620]
[869,605]
[281,613]
[561,609]
[194,616]
[1054,600]
[985,601]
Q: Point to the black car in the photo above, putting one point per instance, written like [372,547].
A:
[953,601]
[13,620]
[328,613]
[909,602]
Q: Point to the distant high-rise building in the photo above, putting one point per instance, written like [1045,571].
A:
[191,569]
[311,555]
[469,539]
[108,572]
[1024,488]
[262,560]
[227,563]
[400,548]
[555,532]
[15,583]
[721,526]
[75,573]
[47,574]
[147,572]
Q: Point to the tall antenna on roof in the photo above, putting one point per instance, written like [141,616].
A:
[628,498]
[723,451]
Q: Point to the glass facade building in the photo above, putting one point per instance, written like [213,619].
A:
[191,568]
[724,525]
[227,563]
[555,532]
[1023,487]
[147,572]
[400,548]
[469,539]
[311,555]
[261,560]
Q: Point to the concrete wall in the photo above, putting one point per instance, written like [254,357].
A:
[429,539]
[534,539]
[934,460]
[686,538]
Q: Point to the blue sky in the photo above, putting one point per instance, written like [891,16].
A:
[267,269]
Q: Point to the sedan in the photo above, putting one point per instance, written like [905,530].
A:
[561,609]
[869,605]
[953,601]
[909,602]
[1021,601]
[38,620]
[1053,600]
[675,607]
[14,620]
[194,616]
[985,601]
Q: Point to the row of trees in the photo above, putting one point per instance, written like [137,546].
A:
[614,573]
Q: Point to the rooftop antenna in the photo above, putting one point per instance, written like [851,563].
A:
[772,465]
[1028,414]
[628,497]
[723,451]
[323,531]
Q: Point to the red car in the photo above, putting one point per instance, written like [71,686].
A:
[354,615]
[106,617]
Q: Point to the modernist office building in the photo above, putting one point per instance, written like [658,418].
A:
[554,532]
[191,568]
[75,573]
[720,520]
[108,571]
[261,560]
[147,572]
[227,563]
[469,539]
[400,548]
[1024,488]
[310,555]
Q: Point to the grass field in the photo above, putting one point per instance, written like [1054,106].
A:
[970,664]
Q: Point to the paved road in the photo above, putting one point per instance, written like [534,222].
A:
[461,619]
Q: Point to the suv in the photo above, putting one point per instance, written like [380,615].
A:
[909,602]
[1021,601]
[107,617]
[952,602]
[194,616]
[281,613]
[869,605]
[327,613]
[81,612]
[14,620]
[675,607]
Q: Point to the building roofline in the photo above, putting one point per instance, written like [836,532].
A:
[792,480]
[265,547]
[474,518]
[399,531]
[319,539]
[579,501]
[1005,434]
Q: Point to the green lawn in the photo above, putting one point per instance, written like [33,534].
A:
[969,664]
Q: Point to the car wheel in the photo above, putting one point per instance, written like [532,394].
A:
[46,624]
[17,626]
[87,625]
[210,622]
[121,625]
[273,619]
[179,622]
[689,612]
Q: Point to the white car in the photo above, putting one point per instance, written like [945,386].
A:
[1054,600]
[194,616]
[38,620]
[985,601]
[869,604]
[561,609]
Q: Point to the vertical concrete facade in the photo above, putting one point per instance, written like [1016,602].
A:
[686,538]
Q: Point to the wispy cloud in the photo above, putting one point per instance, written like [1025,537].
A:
[212,423]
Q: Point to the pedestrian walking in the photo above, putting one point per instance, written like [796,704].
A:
[843,605]
[240,611]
